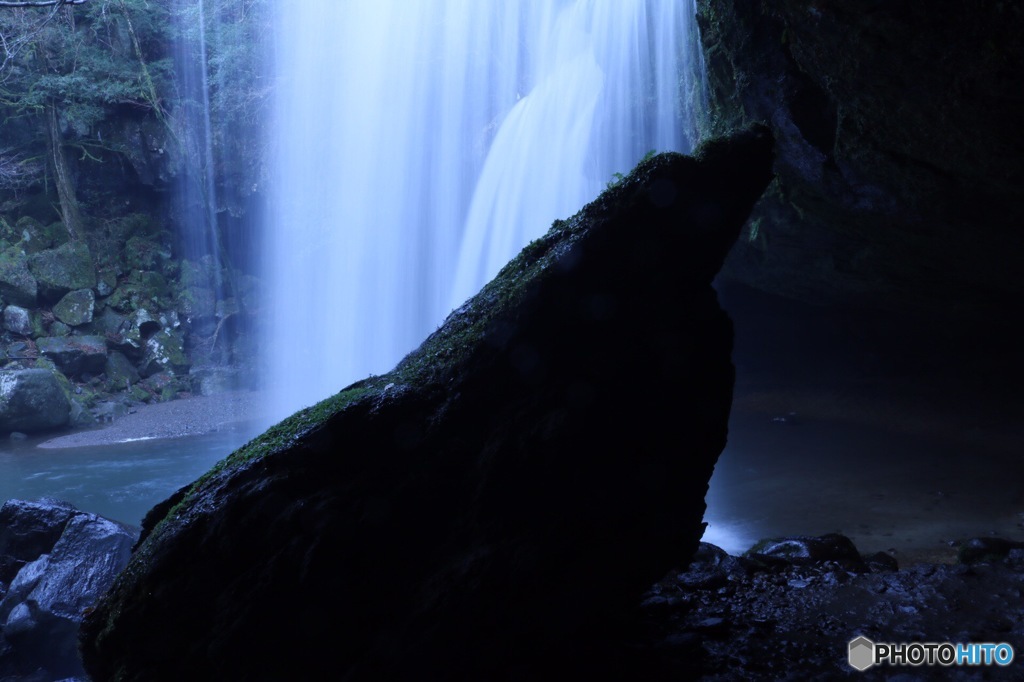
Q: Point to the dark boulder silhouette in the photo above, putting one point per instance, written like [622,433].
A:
[495,506]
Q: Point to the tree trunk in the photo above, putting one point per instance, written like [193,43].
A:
[62,176]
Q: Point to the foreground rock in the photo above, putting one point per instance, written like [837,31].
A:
[54,563]
[495,506]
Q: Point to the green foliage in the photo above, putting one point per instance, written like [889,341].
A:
[87,64]
[110,70]
[232,35]
[235,31]
[84,61]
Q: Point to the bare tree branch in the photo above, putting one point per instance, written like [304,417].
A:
[27,29]
[16,171]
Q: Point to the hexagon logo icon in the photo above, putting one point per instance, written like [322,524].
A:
[862,653]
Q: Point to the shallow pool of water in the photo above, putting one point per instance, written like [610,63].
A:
[122,481]
[908,493]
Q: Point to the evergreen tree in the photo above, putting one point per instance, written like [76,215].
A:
[64,72]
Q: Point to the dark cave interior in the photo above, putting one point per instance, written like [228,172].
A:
[902,432]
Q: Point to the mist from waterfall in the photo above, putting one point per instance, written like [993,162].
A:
[418,146]
[196,197]
[194,209]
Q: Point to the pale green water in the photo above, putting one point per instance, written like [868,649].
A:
[120,481]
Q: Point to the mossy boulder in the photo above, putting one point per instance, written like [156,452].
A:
[141,253]
[197,298]
[202,272]
[496,505]
[165,386]
[165,351]
[139,394]
[32,400]
[197,303]
[120,372]
[75,355]
[17,284]
[106,280]
[18,320]
[31,235]
[141,289]
[63,269]
[135,329]
[107,321]
[58,328]
[76,307]
[40,326]
[213,380]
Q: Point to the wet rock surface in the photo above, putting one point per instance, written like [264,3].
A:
[492,507]
[55,561]
[32,400]
[738,617]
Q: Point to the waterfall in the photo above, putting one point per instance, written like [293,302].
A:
[195,200]
[417,146]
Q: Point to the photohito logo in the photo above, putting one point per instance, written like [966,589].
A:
[863,653]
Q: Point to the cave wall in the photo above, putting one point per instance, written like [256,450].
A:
[900,165]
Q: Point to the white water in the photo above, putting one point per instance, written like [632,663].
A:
[417,146]
[195,207]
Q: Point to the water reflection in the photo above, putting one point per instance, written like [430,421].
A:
[912,492]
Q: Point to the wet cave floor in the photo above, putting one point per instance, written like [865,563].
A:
[904,435]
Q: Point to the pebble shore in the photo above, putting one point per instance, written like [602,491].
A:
[185,417]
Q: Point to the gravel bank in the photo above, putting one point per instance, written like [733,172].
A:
[186,417]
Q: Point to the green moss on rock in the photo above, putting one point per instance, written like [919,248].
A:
[17,284]
[165,351]
[75,355]
[63,269]
[76,307]
[33,400]
[142,289]
[141,253]
[120,372]
[32,236]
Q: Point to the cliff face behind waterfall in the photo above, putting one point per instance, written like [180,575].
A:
[124,266]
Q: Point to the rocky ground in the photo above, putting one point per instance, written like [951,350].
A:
[790,610]
[184,417]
